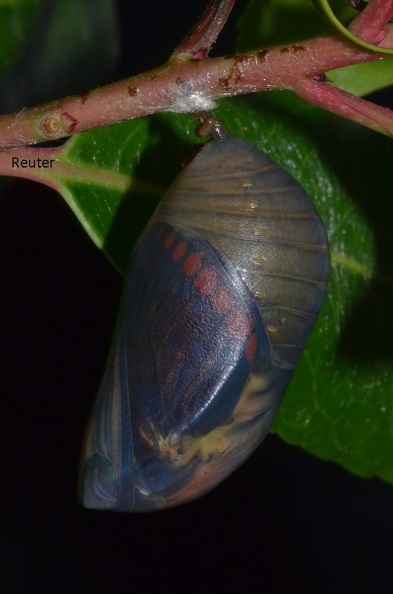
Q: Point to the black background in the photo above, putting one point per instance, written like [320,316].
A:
[284,522]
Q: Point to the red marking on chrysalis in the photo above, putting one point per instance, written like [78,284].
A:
[145,261]
[251,348]
[169,240]
[239,325]
[222,300]
[192,264]
[206,281]
[179,250]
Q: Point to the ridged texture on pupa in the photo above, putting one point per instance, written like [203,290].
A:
[221,294]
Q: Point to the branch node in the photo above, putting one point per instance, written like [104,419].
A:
[57,124]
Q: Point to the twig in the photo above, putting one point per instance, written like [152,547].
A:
[200,40]
[370,24]
[188,84]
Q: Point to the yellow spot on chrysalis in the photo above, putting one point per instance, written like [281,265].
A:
[180,449]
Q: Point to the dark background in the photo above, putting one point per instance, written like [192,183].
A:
[284,522]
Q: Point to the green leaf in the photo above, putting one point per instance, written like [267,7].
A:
[339,405]
[113,177]
[363,79]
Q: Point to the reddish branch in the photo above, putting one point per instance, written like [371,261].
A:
[190,83]
[201,39]
[370,24]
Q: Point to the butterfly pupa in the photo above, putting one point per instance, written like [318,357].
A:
[221,293]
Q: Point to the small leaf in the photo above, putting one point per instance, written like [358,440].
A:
[363,79]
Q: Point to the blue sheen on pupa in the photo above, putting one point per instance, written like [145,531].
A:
[210,329]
